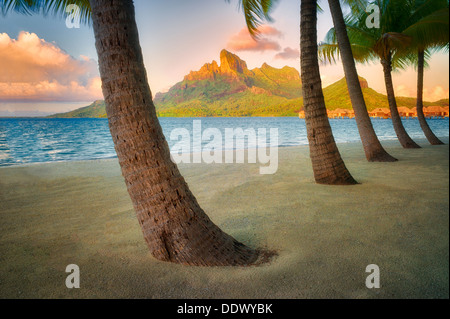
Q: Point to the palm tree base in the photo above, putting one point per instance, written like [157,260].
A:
[432,139]
[438,142]
[346,181]
[242,256]
[188,245]
[382,158]
[411,145]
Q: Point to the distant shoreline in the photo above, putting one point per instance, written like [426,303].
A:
[163,116]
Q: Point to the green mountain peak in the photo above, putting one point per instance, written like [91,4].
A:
[231,89]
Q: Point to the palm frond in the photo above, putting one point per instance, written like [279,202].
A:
[423,8]
[357,6]
[412,58]
[19,6]
[405,26]
[329,49]
[430,31]
[55,7]
[328,53]
[256,12]
[391,43]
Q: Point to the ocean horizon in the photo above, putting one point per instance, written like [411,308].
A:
[40,140]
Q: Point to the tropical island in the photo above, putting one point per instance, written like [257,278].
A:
[231,89]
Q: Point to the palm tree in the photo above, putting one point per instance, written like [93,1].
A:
[429,33]
[174,225]
[431,137]
[328,166]
[373,149]
[386,43]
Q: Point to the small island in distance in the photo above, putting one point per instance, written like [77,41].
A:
[232,90]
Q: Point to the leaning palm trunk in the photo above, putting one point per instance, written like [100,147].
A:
[328,166]
[175,228]
[373,149]
[402,135]
[421,116]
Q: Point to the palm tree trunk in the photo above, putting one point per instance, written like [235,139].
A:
[421,116]
[175,227]
[372,147]
[402,135]
[328,166]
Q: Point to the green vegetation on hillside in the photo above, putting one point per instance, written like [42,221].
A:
[230,90]
[95,110]
[249,104]
[233,90]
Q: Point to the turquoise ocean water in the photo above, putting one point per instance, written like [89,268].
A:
[36,140]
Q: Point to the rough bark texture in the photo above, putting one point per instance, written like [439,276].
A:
[420,115]
[175,228]
[372,147]
[403,137]
[328,166]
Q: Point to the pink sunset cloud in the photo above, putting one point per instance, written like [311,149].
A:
[435,94]
[429,94]
[242,41]
[36,70]
[288,54]
[267,30]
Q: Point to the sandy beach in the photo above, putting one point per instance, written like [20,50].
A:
[55,214]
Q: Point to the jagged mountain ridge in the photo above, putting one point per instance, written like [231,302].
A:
[231,89]
[232,76]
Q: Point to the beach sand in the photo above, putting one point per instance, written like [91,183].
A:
[55,214]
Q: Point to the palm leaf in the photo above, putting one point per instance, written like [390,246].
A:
[256,12]
[405,26]
[55,7]
[432,30]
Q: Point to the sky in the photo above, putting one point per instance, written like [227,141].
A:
[46,67]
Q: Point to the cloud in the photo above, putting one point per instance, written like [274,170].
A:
[288,54]
[51,91]
[242,41]
[403,90]
[435,94]
[269,31]
[35,70]
[429,94]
